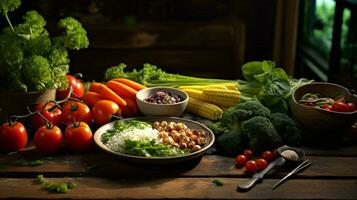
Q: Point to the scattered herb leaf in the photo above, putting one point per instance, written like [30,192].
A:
[217,182]
[57,187]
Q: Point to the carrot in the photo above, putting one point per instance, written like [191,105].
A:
[136,86]
[107,93]
[122,89]
[90,98]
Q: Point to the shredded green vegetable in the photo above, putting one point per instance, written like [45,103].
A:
[57,187]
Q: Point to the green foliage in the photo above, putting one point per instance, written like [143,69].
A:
[151,75]
[287,128]
[75,36]
[261,134]
[270,84]
[30,60]
[57,187]
[151,149]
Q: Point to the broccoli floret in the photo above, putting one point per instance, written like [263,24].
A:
[287,128]
[38,73]
[231,143]
[251,109]
[261,134]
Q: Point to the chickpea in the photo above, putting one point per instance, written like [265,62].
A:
[175,144]
[180,126]
[191,144]
[163,134]
[196,148]
[168,140]
[175,136]
[189,133]
[185,139]
[201,140]
[195,132]
[169,128]
[194,138]
[183,145]
[156,125]
[164,123]
[202,134]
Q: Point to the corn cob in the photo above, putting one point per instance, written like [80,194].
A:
[223,98]
[194,93]
[201,87]
[204,109]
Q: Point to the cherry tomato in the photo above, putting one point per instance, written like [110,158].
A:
[13,137]
[52,115]
[78,136]
[340,107]
[351,107]
[103,110]
[251,166]
[326,107]
[248,153]
[241,160]
[76,111]
[77,85]
[267,155]
[48,139]
[261,164]
[274,153]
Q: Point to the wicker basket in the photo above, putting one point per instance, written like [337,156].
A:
[15,103]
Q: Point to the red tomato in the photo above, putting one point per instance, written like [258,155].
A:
[52,115]
[340,107]
[267,155]
[326,107]
[78,136]
[275,153]
[261,164]
[77,85]
[248,153]
[13,137]
[251,166]
[48,139]
[241,160]
[103,110]
[76,111]
[351,107]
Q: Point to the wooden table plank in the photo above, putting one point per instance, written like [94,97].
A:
[101,164]
[181,188]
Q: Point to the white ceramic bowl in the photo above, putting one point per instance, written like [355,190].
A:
[154,109]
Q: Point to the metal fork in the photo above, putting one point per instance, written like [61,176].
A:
[306,163]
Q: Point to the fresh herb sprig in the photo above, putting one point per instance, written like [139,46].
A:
[31,60]
[57,187]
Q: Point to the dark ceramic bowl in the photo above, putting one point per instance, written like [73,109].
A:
[318,121]
[158,160]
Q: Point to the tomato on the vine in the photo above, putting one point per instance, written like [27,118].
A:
[103,110]
[13,136]
[77,85]
[251,166]
[241,160]
[76,111]
[48,139]
[50,112]
[78,136]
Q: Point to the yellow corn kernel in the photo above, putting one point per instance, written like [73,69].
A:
[201,87]
[204,109]
[194,93]
[223,98]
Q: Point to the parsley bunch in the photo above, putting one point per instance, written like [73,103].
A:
[31,60]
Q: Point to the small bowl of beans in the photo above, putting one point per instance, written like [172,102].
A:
[162,101]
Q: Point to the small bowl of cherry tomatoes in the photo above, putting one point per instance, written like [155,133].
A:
[324,109]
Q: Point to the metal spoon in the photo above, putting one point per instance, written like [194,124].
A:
[258,176]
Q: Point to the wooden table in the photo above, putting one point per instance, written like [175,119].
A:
[99,175]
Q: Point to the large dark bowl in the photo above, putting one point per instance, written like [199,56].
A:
[318,121]
[158,160]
